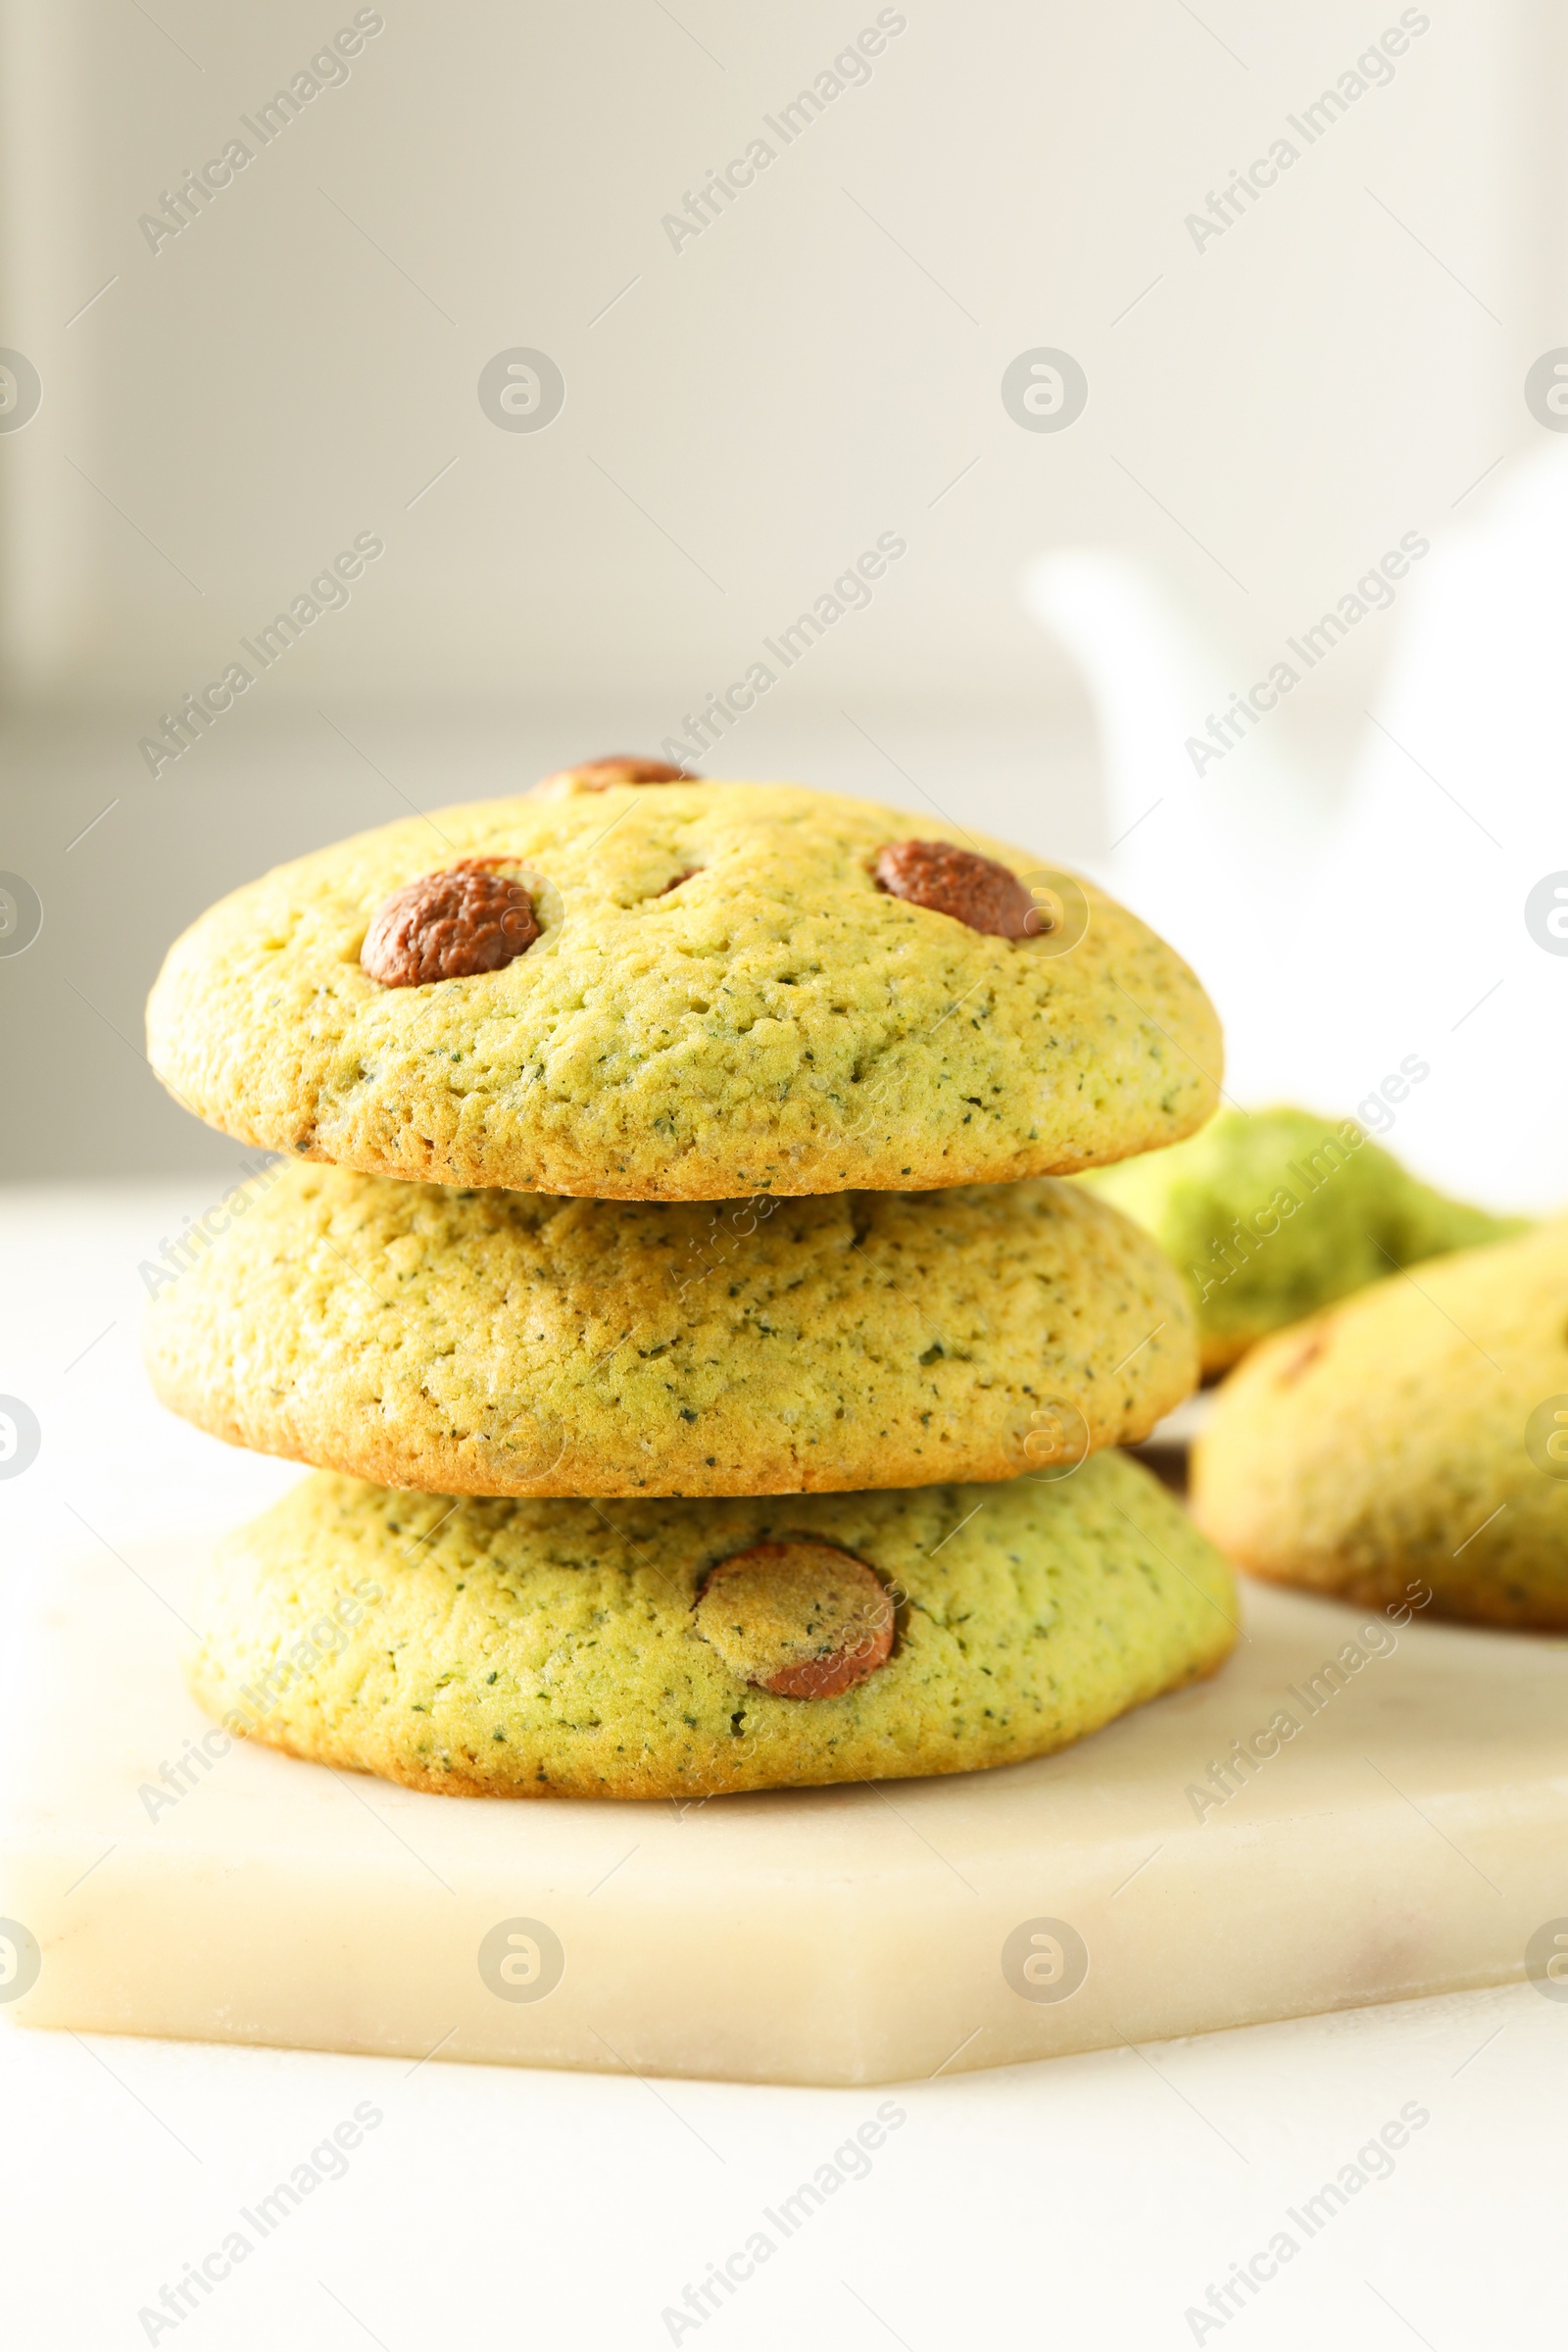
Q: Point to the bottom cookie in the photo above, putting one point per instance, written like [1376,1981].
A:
[681,1648]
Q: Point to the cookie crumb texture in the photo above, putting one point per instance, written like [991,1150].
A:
[778,1023]
[1399,1440]
[529,1650]
[495,1343]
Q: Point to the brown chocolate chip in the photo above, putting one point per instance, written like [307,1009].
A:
[1314,1344]
[616,767]
[803,1620]
[449,925]
[973,889]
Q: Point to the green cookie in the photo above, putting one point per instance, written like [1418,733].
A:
[1414,1436]
[1272,1214]
[671,1648]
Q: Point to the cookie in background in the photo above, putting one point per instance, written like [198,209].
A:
[1273,1214]
[1416,1431]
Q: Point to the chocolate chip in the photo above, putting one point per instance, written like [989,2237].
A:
[616,767]
[803,1620]
[1301,1357]
[973,889]
[449,925]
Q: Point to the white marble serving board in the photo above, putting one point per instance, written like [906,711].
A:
[1408,1839]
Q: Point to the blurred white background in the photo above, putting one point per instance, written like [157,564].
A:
[222,409]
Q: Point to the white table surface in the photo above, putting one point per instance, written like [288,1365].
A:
[1090,2202]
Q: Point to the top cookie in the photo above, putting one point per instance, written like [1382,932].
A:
[683,992]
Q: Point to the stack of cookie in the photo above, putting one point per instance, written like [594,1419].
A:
[710,1385]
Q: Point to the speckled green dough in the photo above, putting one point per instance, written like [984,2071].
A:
[1385,1441]
[776,1023]
[532,1648]
[498,1342]
[1272,1214]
